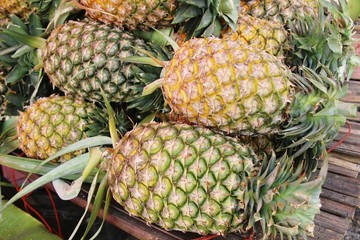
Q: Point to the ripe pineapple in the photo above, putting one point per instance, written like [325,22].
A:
[23,8]
[82,57]
[18,7]
[261,34]
[223,84]
[191,179]
[132,14]
[51,123]
[228,85]
[195,18]
[280,11]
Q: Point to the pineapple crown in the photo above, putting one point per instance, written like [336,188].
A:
[324,41]
[18,61]
[206,18]
[281,199]
[315,116]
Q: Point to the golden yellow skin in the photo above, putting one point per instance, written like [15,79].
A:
[52,123]
[260,33]
[18,7]
[132,14]
[227,85]
[280,11]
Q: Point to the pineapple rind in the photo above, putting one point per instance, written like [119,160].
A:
[227,85]
[50,124]
[279,11]
[82,57]
[189,178]
[261,34]
[18,7]
[131,14]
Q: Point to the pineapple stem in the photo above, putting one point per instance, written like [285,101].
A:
[94,160]
[157,61]
[152,87]
[112,123]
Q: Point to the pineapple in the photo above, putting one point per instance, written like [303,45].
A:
[51,123]
[228,85]
[261,34]
[191,179]
[18,7]
[82,57]
[280,11]
[195,18]
[23,8]
[132,14]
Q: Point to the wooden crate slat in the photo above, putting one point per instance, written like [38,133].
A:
[346,158]
[342,184]
[340,197]
[340,170]
[321,233]
[337,208]
[344,163]
[353,88]
[332,222]
[346,148]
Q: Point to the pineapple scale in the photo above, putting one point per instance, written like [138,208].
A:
[181,177]
[236,89]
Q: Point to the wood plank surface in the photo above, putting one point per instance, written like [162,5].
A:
[332,222]
[340,197]
[322,233]
[336,208]
[340,170]
[343,184]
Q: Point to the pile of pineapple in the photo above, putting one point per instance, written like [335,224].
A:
[218,111]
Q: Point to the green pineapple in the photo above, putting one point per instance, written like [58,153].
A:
[52,123]
[191,179]
[82,57]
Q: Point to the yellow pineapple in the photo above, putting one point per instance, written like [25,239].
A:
[132,14]
[260,33]
[281,11]
[17,7]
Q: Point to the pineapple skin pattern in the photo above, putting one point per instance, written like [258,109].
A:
[181,177]
[52,123]
[82,57]
[132,14]
[227,85]
[192,179]
[178,176]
